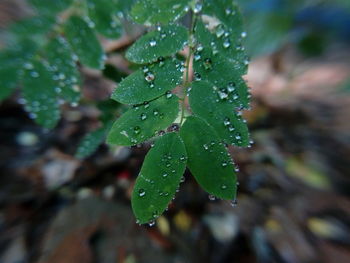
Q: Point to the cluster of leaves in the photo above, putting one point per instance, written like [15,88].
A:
[43,52]
[196,137]
[200,66]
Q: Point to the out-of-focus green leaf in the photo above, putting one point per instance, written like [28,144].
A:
[216,107]
[144,121]
[159,178]
[151,12]
[40,92]
[163,42]
[149,82]
[208,159]
[90,142]
[50,6]
[104,14]
[62,62]
[84,43]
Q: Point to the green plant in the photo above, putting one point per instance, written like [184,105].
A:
[199,66]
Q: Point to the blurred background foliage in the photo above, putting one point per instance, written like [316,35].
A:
[294,193]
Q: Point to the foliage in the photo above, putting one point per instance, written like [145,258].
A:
[198,64]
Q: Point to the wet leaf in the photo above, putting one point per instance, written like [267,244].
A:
[150,12]
[32,26]
[104,14]
[163,42]
[149,82]
[50,7]
[216,107]
[84,43]
[61,59]
[144,121]
[221,40]
[159,178]
[210,65]
[39,91]
[208,159]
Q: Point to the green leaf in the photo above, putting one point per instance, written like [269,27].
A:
[144,121]
[210,65]
[151,12]
[9,64]
[12,60]
[208,159]
[220,40]
[36,25]
[159,178]
[51,6]
[61,59]
[90,142]
[211,104]
[8,81]
[104,14]
[84,42]
[228,13]
[163,42]
[149,82]
[39,91]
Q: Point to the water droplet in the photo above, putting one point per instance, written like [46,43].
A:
[219,31]
[234,203]
[197,56]
[211,197]
[146,103]
[244,34]
[34,74]
[153,43]
[231,87]
[199,48]
[165,175]
[182,179]
[143,116]
[149,76]
[137,129]
[151,223]
[222,94]
[224,164]
[226,43]
[155,112]
[227,122]
[169,95]
[197,8]
[224,187]
[142,193]
[183,158]
[197,76]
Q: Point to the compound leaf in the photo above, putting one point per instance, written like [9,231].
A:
[208,159]
[52,6]
[61,59]
[39,91]
[149,82]
[159,178]
[151,12]
[163,42]
[84,42]
[208,102]
[143,122]
[104,14]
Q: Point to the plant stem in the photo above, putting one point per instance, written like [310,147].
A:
[187,82]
